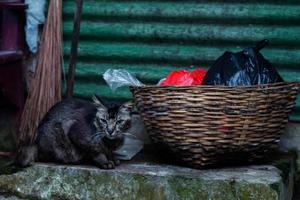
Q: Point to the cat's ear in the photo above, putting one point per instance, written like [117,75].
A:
[98,101]
[126,107]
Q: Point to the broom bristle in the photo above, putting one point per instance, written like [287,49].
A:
[45,88]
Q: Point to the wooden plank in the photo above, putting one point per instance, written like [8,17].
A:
[74,46]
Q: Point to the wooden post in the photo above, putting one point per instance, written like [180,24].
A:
[74,48]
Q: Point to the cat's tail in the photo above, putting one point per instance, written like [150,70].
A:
[26,155]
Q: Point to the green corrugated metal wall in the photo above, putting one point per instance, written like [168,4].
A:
[152,38]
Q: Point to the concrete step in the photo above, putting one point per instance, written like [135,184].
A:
[144,180]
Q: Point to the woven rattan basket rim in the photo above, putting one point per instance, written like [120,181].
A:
[220,87]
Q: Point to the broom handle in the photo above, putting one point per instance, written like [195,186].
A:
[74,48]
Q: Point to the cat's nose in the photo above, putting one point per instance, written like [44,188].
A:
[110,132]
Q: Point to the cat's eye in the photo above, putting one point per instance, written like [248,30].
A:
[102,120]
[124,123]
[120,121]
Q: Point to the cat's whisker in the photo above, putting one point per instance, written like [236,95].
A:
[131,135]
[96,135]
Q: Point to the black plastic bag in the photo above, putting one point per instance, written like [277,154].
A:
[247,67]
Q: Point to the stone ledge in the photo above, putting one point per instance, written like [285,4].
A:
[144,180]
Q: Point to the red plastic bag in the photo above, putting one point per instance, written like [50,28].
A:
[198,76]
[184,77]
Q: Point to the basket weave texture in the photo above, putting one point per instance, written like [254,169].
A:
[204,125]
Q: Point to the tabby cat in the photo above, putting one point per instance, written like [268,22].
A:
[74,131]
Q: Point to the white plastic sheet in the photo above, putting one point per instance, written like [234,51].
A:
[129,149]
[116,78]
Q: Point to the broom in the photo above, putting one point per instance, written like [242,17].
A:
[45,88]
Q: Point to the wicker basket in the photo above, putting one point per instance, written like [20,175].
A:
[205,125]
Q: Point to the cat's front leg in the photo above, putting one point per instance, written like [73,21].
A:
[113,145]
[81,135]
[116,161]
[102,161]
[114,158]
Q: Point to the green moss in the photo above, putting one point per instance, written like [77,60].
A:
[256,192]
[183,188]
[57,182]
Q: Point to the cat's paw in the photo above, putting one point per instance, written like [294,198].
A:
[117,162]
[108,165]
